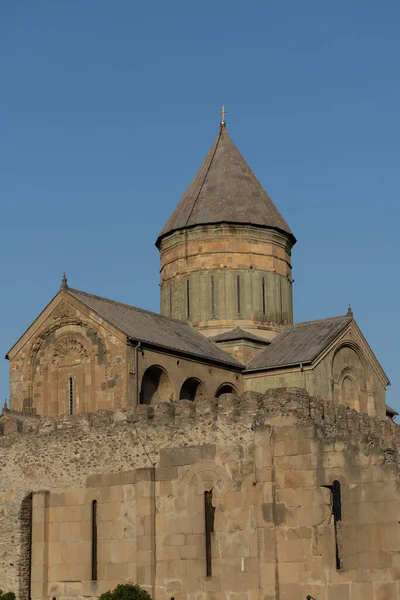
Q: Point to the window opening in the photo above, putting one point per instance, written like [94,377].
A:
[188,298]
[337,518]
[170,300]
[212,296]
[238,293]
[71,395]
[209,514]
[263,296]
[280,299]
[94,540]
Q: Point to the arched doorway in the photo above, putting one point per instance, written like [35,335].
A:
[191,389]
[156,386]
[225,388]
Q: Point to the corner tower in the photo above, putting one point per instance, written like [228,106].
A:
[225,251]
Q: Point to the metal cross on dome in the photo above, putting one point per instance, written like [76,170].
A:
[223,113]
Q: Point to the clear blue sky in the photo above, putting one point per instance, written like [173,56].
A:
[107,109]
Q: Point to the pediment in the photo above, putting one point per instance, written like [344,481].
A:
[353,337]
[61,311]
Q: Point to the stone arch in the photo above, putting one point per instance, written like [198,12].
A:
[350,392]
[191,389]
[349,376]
[60,352]
[225,388]
[350,344]
[156,386]
[205,475]
[42,338]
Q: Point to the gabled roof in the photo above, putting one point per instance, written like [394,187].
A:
[391,412]
[225,190]
[298,344]
[154,329]
[238,334]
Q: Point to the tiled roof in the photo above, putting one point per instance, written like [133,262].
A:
[299,343]
[145,326]
[225,190]
[391,412]
[238,334]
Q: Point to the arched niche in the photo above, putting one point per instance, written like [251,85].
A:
[349,379]
[156,386]
[191,389]
[350,393]
[225,388]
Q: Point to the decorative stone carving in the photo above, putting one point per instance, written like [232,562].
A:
[69,350]
[64,311]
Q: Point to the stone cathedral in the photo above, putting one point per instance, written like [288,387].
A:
[214,451]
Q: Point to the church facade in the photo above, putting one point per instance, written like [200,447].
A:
[226,322]
[215,451]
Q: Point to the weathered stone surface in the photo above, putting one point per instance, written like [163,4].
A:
[273,536]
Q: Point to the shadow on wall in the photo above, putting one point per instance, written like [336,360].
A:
[192,389]
[157,387]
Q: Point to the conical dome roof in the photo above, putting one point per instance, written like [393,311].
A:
[225,190]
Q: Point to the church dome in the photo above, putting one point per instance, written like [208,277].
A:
[225,190]
[225,251]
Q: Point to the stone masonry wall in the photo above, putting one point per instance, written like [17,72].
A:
[200,268]
[266,458]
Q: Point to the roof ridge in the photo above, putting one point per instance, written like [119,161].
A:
[144,310]
[215,145]
[304,323]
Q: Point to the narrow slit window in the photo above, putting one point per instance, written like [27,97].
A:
[238,293]
[209,514]
[336,501]
[71,395]
[280,300]
[212,296]
[94,540]
[188,298]
[263,296]
[170,300]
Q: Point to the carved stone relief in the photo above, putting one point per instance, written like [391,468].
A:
[63,311]
[68,351]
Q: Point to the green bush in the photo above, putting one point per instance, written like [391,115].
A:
[123,591]
[7,595]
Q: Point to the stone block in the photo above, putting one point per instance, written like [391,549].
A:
[362,591]
[110,511]
[145,474]
[338,591]
[145,489]
[174,540]
[119,571]
[288,572]
[187,455]
[313,516]
[290,551]
[385,591]
[166,473]
[375,560]
[300,478]
[289,591]
[189,552]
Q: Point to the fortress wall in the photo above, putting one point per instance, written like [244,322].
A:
[269,461]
